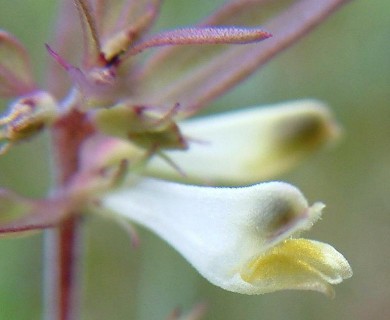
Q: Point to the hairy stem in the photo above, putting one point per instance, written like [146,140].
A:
[64,245]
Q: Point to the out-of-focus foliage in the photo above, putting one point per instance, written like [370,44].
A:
[344,62]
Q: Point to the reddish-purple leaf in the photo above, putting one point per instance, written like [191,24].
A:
[66,41]
[19,215]
[171,61]
[201,35]
[60,60]
[90,34]
[209,79]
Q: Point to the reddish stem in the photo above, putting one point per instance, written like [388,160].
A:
[63,257]
[63,245]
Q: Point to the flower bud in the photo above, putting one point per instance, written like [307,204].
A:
[143,126]
[26,117]
[250,145]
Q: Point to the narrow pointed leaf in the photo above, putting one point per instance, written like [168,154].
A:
[205,35]
[176,59]
[67,34]
[206,81]
[90,33]
[20,216]
[15,69]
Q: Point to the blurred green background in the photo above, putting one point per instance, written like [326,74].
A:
[345,62]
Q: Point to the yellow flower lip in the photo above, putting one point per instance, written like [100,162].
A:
[297,264]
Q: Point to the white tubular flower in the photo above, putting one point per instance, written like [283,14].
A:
[251,145]
[240,239]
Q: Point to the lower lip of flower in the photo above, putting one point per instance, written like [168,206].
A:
[297,264]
